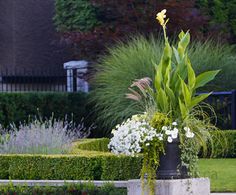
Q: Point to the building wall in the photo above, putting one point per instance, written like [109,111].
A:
[27,35]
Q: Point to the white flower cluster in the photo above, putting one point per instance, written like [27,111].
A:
[188,132]
[129,137]
[171,131]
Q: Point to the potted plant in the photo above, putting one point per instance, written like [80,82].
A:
[173,126]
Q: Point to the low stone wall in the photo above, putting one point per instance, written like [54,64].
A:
[194,186]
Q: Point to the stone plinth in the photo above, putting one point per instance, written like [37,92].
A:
[194,186]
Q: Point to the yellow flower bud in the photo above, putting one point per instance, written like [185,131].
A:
[161,17]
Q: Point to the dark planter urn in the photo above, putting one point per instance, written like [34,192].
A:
[170,167]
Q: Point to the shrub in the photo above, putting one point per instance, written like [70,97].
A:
[42,137]
[69,167]
[79,189]
[121,18]
[82,165]
[74,15]
[93,144]
[222,17]
[134,60]
[16,107]
[228,148]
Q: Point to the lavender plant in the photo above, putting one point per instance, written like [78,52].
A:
[42,137]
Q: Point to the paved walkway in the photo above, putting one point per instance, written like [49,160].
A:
[223,193]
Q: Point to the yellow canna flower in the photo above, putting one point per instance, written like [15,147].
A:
[161,17]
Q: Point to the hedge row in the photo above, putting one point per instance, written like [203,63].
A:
[84,165]
[16,107]
[225,144]
[79,189]
[93,145]
[86,162]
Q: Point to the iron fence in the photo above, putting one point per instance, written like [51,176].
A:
[26,80]
[224,104]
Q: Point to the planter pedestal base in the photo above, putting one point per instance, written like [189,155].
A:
[193,186]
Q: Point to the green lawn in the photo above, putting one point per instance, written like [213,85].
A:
[222,173]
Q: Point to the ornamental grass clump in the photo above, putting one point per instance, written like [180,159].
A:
[172,112]
[42,137]
[133,59]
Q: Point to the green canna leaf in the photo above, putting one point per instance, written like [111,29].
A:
[162,100]
[186,93]
[191,76]
[183,109]
[196,100]
[183,43]
[172,98]
[177,57]
[205,77]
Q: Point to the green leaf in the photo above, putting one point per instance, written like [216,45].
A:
[205,77]
[177,57]
[183,43]
[162,100]
[186,93]
[183,109]
[158,78]
[172,98]
[191,76]
[181,35]
[166,58]
[196,100]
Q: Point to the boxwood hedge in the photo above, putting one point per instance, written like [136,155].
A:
[79,165]
[88,160]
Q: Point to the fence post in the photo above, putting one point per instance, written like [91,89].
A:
[75,72]
[233,109]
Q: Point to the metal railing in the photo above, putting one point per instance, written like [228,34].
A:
[224,104]
[26,80]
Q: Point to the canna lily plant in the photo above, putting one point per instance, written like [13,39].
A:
[172,111]
[175,84]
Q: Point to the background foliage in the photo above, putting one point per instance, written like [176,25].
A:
[75,15]
[222,17]
[134,60]
[110,20]
[16,107]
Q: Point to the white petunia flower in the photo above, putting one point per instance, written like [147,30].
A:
[174,135]
[169,139]
[174,123]
[168,132]
[186,128]
[164,128]
[189,134]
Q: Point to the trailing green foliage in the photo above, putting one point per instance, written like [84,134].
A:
[16,107]
[67,189]
[134,60]
[75,15]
